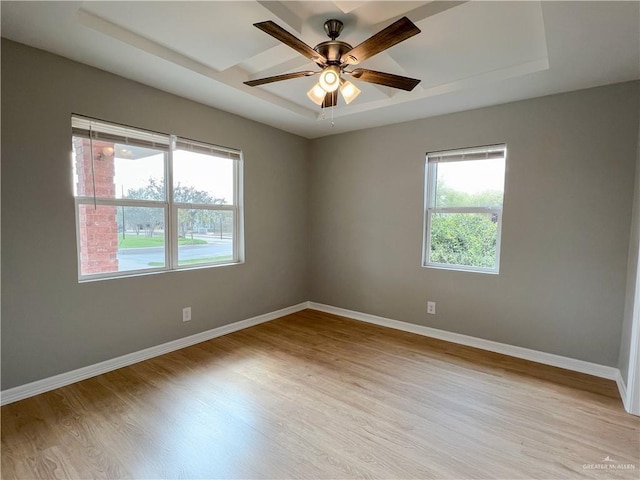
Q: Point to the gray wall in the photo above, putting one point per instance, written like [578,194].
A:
[632,272]
[52,324]
[567,213]
[338,222]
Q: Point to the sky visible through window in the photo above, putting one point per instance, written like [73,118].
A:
[207,173]
[473,176]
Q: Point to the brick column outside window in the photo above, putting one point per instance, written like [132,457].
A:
[98,226]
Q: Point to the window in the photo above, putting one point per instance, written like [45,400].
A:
[149,202]
[463,208]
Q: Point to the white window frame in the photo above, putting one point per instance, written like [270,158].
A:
[168,143]
[431,178]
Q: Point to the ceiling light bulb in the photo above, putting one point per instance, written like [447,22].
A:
[330,78]
[316,94]
[349,91]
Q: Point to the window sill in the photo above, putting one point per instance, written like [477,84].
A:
[460,268]
[139,273]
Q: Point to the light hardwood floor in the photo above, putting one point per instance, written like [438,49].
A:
[314,395]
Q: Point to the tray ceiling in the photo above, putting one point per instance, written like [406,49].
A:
[469,54]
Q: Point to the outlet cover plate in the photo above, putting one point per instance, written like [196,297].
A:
[431,308]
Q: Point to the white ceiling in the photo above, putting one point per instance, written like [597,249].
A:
[469,54]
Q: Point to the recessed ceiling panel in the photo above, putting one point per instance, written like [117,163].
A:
[374,13]
[216,34]
[271,58]
[473,39]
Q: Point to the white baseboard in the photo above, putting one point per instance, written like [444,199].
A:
[610,373]
[67,378]
[622,388]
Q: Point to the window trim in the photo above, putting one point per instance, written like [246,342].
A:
[170,209]
[431,178]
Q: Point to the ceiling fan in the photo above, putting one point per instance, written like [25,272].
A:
[335,56]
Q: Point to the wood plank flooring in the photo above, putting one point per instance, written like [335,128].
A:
[314,395]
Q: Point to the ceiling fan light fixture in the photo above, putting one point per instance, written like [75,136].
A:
[330,79]
[349,91]
[316,94]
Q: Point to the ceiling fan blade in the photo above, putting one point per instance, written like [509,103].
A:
[385,38]
[279,33]
[387,79]
[330,99]
[279,78]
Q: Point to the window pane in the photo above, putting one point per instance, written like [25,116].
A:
[477,183]
[117,239]
[201,178]
[204,236]
[120,170]
[129,169]
[467,239]
[139,173]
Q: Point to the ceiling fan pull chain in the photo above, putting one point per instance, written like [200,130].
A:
[332,124]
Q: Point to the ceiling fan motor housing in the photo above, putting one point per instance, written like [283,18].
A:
[332,51]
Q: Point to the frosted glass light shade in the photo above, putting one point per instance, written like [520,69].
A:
[330,78]
[316,94]
[349,91]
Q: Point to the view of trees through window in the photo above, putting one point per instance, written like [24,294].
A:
[465,238]
[129,220]
[147,221]
[464,210]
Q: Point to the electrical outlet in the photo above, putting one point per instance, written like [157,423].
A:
[431,308]
[186,314]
